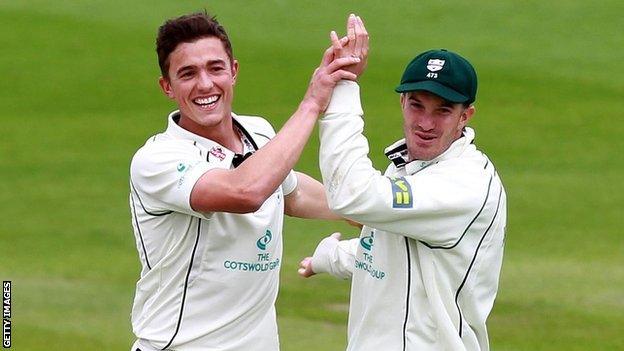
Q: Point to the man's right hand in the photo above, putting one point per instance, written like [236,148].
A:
[326,76]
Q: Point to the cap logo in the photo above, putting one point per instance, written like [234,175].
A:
[435,65]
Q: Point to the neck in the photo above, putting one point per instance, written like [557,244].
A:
[224,132]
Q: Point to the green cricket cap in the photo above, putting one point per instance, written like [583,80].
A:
[443,73]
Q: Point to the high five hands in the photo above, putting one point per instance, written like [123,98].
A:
[345,59]
[355,44]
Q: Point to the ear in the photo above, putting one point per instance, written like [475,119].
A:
[165,86]
[466,116]
[234,71]
[402,98]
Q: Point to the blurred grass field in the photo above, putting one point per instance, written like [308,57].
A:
[79,94]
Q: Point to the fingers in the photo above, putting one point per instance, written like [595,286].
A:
[305,269]
[341,74]
[351,24]
[334,69]
[358,38]
[355,43]
[336,44]
[351,34]
[342,62]
[361,46]
[328,56]
[336,235]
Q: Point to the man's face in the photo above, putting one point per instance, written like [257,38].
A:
[431,124]
[201,81]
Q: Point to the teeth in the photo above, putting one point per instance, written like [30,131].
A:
[208,100]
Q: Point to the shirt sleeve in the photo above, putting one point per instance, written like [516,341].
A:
[163,175]
[335,257]
[433,205]
[290,183]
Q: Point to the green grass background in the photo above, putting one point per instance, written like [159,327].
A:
[78,96]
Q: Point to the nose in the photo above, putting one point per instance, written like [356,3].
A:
[204,81]
[425,121]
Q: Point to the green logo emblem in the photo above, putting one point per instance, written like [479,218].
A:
[264,240]
[368,241]
[181,167]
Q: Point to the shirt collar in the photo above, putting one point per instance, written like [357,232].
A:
[216,150]
[398,153]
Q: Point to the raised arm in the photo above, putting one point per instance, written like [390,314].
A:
[308,200]
[431,206]
[245,188]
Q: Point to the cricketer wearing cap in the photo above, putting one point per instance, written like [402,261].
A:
[208,226]
[425,269]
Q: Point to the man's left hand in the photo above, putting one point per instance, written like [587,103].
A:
[355,44]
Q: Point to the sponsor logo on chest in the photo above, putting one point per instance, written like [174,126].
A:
[263,262]
[367,263]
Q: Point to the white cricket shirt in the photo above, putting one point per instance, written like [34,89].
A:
[427,263]
[209,280]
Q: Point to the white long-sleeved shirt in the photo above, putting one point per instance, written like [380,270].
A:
[209,280]
[427,265]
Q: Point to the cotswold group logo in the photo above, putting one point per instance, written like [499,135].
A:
[263,263]
[264,240]
[435,65]
[367,264]
[368,241]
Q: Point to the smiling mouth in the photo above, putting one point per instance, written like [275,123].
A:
[207,103]
[425,137]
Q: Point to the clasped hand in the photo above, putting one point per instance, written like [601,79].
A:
[354,44]
[346,58]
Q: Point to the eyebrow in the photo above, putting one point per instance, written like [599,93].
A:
[191,67]
[216,61]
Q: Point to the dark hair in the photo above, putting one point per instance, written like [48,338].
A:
[187,29]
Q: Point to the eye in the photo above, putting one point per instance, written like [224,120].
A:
[416,105]
[445,111]
[186,75]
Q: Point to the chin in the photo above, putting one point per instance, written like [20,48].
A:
[422,154]
[208,117]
